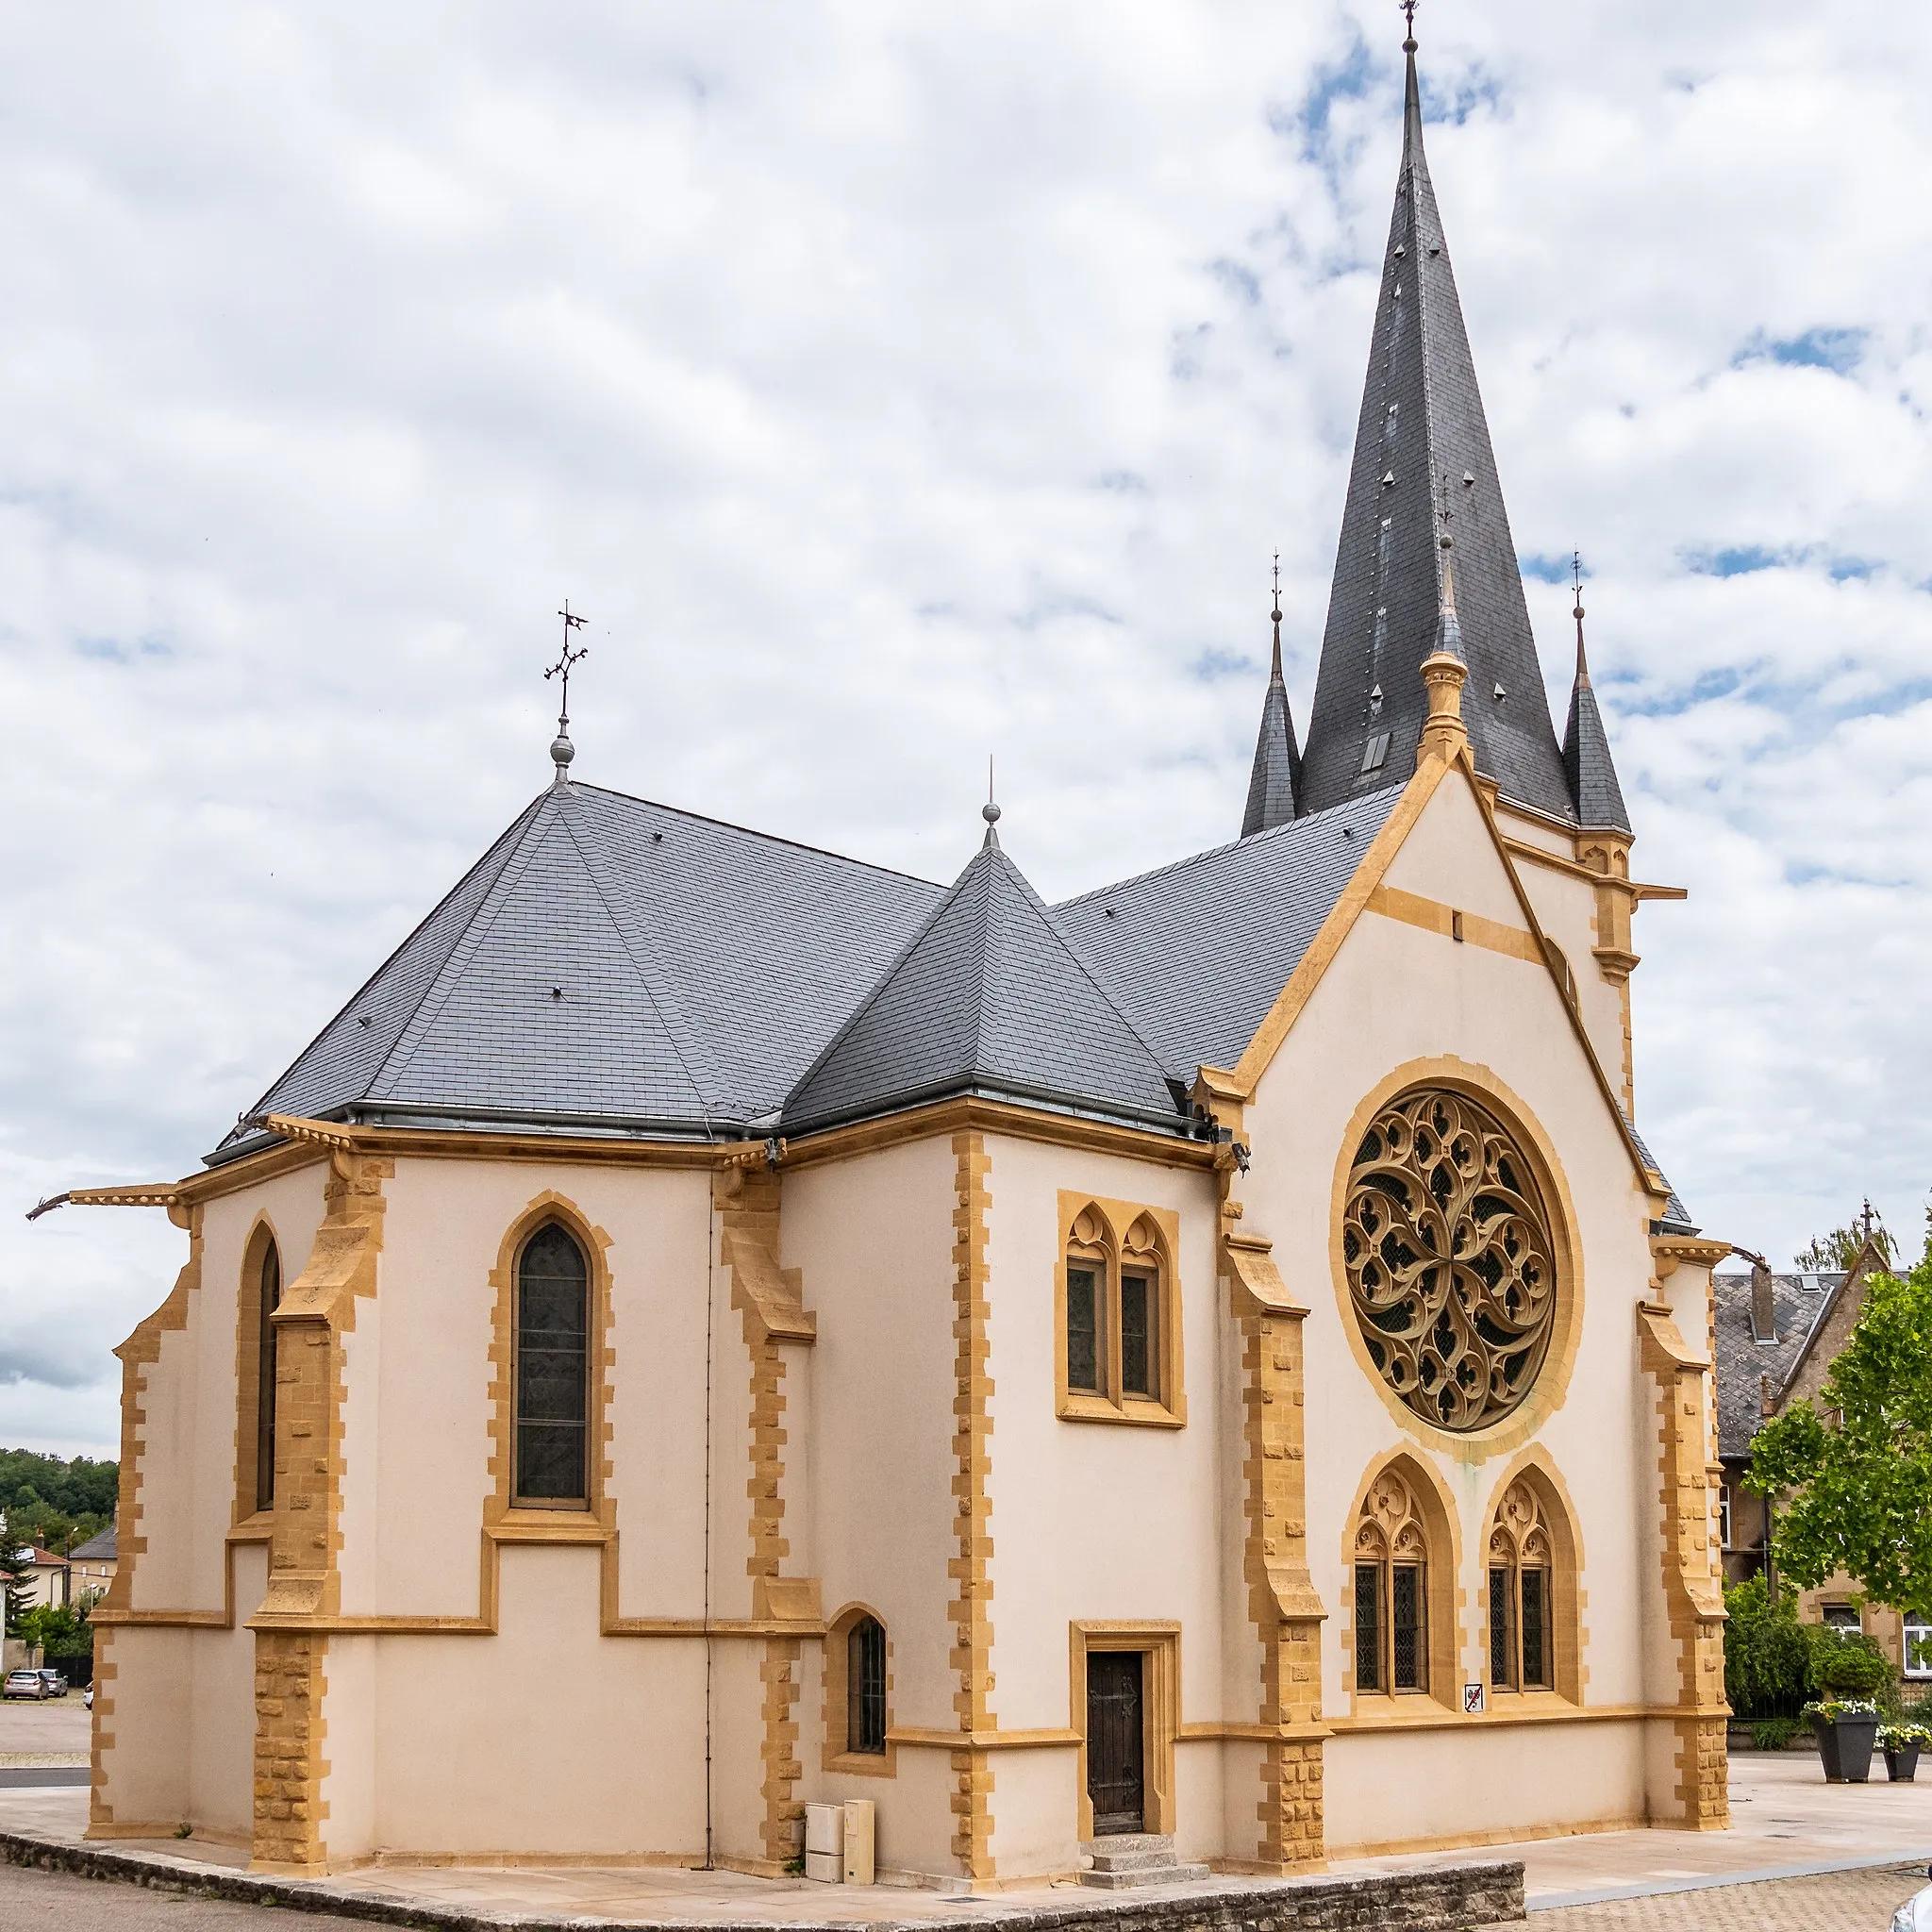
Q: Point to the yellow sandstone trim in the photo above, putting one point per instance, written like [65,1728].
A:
[1431,915]
[1693,1599]
[970,1569]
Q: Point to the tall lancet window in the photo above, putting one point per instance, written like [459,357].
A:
[268,1289]
[553,1358]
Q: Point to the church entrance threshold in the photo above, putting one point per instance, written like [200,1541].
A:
[1115,1740]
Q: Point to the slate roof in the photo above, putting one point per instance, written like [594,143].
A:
[101,1547]
[988,998]
[1421,421]
[1799,1303]
[610,963]
[1196,952]
[1675,1219]
[1587,762]
[1276,780]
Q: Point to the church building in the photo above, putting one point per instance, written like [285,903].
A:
[1204,1373]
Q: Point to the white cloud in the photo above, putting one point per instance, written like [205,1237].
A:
[894,388]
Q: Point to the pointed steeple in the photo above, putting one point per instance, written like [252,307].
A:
[1421,422]
[1278,774]
[1596,795]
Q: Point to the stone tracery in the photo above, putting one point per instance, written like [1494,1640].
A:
[1447,1246]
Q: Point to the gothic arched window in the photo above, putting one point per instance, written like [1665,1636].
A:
[553,1360]
[1521,1596]
[1391,1591]
[267,1298]
[865,1688]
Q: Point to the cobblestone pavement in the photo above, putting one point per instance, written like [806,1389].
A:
[1836,1902]
[53,1901]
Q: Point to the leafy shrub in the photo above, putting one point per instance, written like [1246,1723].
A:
[1775,1733]
[1766,1654]
[1846,1664]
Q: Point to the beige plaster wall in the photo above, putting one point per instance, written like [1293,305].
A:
[1565,908]
[546,1738]
[1395,994]
[1097,1521]
[872,1237]
[1537,1778]
[189,1400]
[419,1445]
[149,1773]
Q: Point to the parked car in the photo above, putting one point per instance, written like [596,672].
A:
[1915,1915]
[55,1683]
[87,1697]
[25,1683]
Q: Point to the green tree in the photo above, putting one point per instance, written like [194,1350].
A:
[16,1576]
[1855,1484]
[1836,1251]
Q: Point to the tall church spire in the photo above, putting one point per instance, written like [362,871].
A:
[1277,776]
[1587,764]
[1421,421]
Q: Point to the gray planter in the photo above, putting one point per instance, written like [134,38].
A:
[1846,1745]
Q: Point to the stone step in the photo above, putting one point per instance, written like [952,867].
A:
[1107,1857]
[1172,1874]
[1130,1841]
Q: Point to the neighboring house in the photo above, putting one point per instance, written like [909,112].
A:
[47,1582]
[1154,1363]
[92,1564]
[1777,1336]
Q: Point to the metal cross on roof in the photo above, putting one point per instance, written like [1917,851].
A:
[571,655]
[1408,14]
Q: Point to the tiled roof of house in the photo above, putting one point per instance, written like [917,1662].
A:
[1799,1303]
[99,1548]
[988,998]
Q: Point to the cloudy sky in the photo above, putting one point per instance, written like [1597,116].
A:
[892,387]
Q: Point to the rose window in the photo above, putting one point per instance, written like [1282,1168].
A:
[1447,1245]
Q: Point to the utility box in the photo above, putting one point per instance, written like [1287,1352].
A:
[824,1844]
[859,1841]
[839,1842]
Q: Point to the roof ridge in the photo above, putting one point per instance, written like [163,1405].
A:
[947,895]
[1085,971]
[753,832]
[443,982]
[593,862]
[1254,840]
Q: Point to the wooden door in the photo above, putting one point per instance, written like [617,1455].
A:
[1115,1752]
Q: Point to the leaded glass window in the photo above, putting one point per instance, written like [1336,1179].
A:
[1117,1336]
[1407,1616]
[1502,1632]
[1368,1626]
[1533,1587]
[1521,1604]
[1391,1615]
[552,1370]
[268,1299]
[865,1688]
[1082,1327]
[1140,1336]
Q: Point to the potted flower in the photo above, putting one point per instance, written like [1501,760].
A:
[1900,1742]
[1847,1729]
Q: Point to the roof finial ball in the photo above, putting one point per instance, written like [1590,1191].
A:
[561,750]
[1408,14]
[989,811]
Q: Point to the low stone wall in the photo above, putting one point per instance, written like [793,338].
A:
[1444,1898]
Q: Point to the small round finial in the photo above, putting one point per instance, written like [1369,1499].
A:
[989,812]
[561,752]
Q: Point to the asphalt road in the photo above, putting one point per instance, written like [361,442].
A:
[53,1901]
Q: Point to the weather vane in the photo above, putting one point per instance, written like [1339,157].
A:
[1277,583]
[1408,14]
[561,750]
